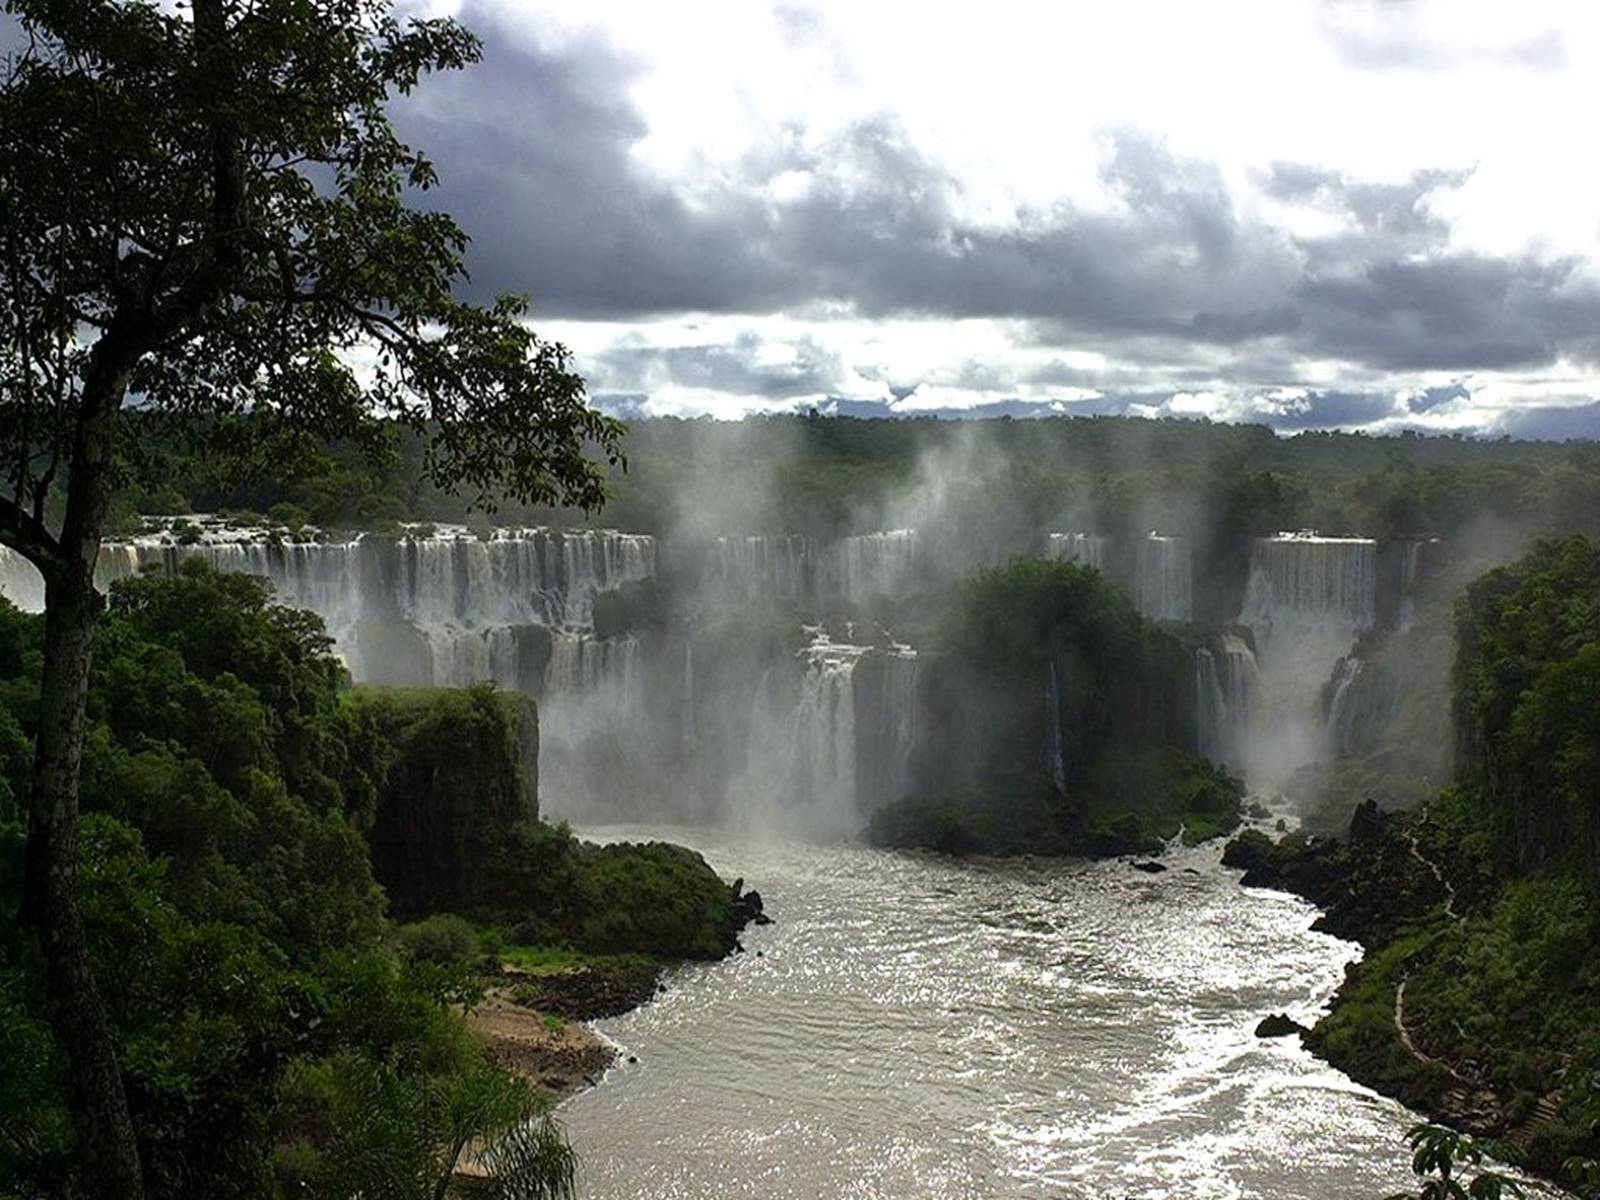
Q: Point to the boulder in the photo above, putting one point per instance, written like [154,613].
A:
[1278,1025]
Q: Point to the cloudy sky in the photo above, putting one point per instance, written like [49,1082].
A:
[1351,214]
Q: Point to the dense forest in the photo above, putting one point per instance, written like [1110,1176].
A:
[1054,719]
[254,829]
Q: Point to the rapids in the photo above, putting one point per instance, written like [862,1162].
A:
[916,1027]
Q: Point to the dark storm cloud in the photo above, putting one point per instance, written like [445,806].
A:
[535,150]
[1457,311]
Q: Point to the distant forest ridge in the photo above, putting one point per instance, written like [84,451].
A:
[828,476]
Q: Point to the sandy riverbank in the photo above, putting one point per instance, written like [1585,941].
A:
[561,1057]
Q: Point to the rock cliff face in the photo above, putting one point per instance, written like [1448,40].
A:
[463,770]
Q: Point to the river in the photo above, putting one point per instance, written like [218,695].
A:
[914,1027]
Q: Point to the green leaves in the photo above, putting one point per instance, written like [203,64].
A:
[370,1129]
[212,213]
[1438,1153]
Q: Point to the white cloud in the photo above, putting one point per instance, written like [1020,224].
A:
[1013,103]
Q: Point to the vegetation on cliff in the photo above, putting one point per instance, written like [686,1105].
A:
[276,1035]
[1054,723]
[1479,999]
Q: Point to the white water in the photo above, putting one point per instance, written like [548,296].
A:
[780,567]
[1339,714]
[1308,599]
[823,761]
[899,707]
[1412,566]
[855,570]
[1227,680]
[1087,548]
[1165,584]
[20,581]
[922,1029]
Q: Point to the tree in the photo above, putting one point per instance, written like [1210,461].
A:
[204,231]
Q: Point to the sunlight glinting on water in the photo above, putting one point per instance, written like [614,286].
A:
[916,1027]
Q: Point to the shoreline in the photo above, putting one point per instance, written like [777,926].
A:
[561,1057]
[1377,887]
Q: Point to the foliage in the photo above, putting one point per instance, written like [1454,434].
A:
[650,898]
[245,228]
[370,1130]
[1528,702]
[459,772]
[1437,1158]
[1034,655]
[443,939]
[205,207]
[227,889]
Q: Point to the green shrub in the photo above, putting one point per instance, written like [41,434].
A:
[443,939]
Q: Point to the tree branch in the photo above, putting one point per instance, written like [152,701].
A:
[27,535]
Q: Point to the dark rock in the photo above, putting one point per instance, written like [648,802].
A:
[1366,823]
[1150,868]
[1282,826]
[745,907]
[633,1058]
[1277,1026]
[1250,849]
[591,992]
[1258,811]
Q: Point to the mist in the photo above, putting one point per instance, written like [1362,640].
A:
[756,658]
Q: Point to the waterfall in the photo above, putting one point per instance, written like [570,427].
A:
[1054,758]
[592,709]
[1307,600]
[453,586]
[900,718]
[20,581]
[824,741]
[1340,710]
[1211,707]
[767,567]
[1227,679]
[827,737]
[449,607]
[875,566]
[1413,564]
[687,734]
[584,665]
[800,570]
[1310,579]
[1088,549]
[1165,580]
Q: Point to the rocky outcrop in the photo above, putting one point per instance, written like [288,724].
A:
[461,772]
[1278,1026]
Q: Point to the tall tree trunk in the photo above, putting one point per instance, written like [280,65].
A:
[109,1166]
